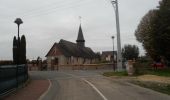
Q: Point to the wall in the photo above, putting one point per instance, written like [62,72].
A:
[70,60]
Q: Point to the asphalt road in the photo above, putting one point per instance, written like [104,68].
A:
[91,85]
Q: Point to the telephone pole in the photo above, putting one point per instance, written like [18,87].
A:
[119,56]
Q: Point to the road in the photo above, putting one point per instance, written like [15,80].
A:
[91,85]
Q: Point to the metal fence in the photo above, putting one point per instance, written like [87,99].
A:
[12,76]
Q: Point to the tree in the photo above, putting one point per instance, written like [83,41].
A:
[23,50]
[15,50]
[130,52]
[145,33]
[98,55]
[154,32]
[162,30]
[18,50]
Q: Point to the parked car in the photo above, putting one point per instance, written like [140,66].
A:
[158,65]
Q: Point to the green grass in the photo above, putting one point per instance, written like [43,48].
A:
[160,87]
[146,68]
[159,72]
[107,74]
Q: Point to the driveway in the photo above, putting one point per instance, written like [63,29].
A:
[91,85]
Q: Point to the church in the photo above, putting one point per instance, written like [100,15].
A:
[69,53]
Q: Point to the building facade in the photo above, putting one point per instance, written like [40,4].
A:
[108,56]
[69,53]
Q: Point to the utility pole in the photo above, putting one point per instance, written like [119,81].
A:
[119,56]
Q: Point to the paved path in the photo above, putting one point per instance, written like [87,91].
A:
[32,91]
[91,85]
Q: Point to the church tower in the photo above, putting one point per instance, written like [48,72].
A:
[80,39]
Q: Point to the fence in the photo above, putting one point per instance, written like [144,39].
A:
[12,76]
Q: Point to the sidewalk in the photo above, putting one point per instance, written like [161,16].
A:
[31,92]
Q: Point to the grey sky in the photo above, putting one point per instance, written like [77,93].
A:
[48,21]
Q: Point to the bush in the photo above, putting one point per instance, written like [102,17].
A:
[141,68]
[6,63]
[137,69]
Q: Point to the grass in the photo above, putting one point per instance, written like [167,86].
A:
[159,72]
[160,87]
[107,74]
[146,68]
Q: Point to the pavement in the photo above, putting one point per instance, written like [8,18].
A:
[87,85]
[33,90]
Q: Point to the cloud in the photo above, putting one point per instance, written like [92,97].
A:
[48,21]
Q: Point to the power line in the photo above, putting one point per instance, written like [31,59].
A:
[58,8]
[46,11]
[47,7]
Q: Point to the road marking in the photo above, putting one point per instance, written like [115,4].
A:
[104,98]
[43,95]
[95,88]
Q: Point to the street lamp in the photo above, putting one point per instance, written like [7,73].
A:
[119,56]
[18,21]
[113,54]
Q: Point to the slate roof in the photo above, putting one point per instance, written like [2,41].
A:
[105,53]
[69,49]
[80,35]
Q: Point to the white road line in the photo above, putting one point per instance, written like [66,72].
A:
[43,95]
[104,98]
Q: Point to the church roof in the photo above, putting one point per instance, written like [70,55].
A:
[80,35]
[69,49]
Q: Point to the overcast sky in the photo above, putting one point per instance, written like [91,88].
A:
[48,21]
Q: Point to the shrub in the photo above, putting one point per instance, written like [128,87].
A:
[6,62]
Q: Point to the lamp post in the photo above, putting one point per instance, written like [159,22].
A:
[119,56]
[114,68]
[18,21]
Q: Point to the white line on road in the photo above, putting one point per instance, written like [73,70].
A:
[104,98]
[43,95]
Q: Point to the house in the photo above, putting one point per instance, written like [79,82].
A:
[108,56]
[69,53]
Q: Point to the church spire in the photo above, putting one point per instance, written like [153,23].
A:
[80,39]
